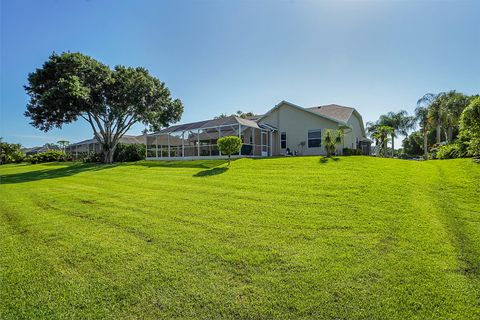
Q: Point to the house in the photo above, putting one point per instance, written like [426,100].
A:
[35,150]
[285,129]
[93,146]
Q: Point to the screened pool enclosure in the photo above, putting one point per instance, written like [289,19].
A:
[199,139]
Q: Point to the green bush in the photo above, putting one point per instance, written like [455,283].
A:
[91,157]
[129,152]
[229,145]
[47,156]
[413,144]
[470,128]
[449,151]
[10,152]
[352,152]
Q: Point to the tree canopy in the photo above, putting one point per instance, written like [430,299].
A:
[70,86]
[10,152]
[229,145]
[239,113]
[439,116]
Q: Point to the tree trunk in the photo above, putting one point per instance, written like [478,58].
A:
[228,160]
[450,134]
[439,134]
[108,150]
[108,156]
[425,144]
[393,145]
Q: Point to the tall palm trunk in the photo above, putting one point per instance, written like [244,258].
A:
[425,144]
[393,144]
[439,133]
[450,134]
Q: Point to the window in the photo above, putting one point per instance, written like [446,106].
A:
[283,140]
[314,138]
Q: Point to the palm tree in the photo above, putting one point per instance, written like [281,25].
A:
[437,116]
[453,105]
[339,135]
[401,123]
[371,128]
[332,139]
[421,115]
[381,135]
[63,144]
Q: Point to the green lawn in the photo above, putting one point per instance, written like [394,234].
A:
[293,238]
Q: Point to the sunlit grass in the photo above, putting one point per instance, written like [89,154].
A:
[289,238]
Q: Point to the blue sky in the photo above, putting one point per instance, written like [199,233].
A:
[221,56]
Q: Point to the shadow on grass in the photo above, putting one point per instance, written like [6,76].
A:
[211,172]
[327,159]
[65,171]
[202,164]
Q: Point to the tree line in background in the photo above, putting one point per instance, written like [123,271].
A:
[14,153]
[239,113]
[449,127]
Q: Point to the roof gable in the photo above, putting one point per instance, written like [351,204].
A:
[303,109]
[335,111]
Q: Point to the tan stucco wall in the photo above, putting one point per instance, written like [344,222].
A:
[350,138]
[296,123]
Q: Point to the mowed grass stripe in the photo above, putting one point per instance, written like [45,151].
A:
[272,238]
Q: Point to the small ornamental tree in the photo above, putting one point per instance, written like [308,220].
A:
[332,139]
[229,145]
[72,86]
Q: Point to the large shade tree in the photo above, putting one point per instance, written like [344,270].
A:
[70,86]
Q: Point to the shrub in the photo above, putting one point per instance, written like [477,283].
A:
[352,152]
[413,144]
[129,152]
[91,157]
[47,156]
[470,128]
[229,145]
[10,152]
[449,151]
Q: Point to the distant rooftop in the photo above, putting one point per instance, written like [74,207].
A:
[127,139]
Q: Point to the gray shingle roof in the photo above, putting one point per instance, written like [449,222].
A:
[127,139]
[231,120]
[334,111]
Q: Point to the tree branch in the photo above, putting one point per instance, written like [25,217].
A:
[123,129]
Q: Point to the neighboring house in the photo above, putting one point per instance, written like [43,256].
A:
[35,150]
[285,129]
[92,145]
